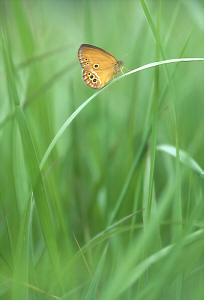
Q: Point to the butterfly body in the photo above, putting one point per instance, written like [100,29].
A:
[98,65]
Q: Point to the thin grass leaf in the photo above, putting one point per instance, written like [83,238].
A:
[64,126]
[23,26]
[177,64]
[39,192]
[177,203]
[91,294]
[155,116]
[150,172]
[163,55]
[105,234]
[22,181]
[9,234]
[185,158]
[20,273]
[135,205]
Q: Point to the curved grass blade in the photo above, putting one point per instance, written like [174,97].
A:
[108,232]
[73,116]
[185,158]
[64,126]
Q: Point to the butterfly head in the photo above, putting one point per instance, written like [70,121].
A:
[117,66]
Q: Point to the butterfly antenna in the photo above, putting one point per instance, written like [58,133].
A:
[124,55]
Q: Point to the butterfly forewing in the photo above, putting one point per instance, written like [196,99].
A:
[98,65]
[93,53]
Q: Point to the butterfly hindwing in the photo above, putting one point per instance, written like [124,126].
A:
[96,79]
[91,78]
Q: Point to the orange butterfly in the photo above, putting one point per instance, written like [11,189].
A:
[98,65]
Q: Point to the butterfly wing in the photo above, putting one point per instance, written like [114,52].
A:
[98,65]
[96,79]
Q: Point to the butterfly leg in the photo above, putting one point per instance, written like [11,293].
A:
[125,69]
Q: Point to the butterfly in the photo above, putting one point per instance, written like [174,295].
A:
[98,66]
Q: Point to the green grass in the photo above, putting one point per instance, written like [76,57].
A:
[79,163]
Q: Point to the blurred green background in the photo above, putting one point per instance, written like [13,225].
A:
[106,155]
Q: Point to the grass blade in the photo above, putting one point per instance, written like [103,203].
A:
[185,158]
[155,116]
[33,169]
[20,273]
[91,294]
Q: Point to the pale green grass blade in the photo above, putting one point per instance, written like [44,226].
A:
[155,116]
[22,182]
[149,174]
[65,125]
[177,211]
[92,291]
[135,205]
[177,203]
[127,182]
[177,64]
[23,26]
[39,193]
[185,158]
[20,272]
[154,31]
